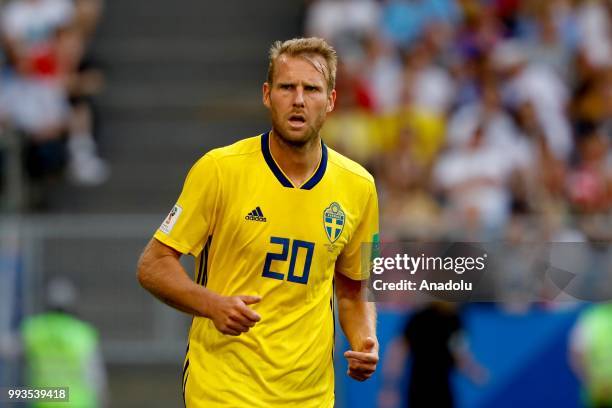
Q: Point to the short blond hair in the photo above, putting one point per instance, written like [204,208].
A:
[311,46]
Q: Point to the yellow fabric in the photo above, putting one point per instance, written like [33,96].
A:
[363,135]
[354,133]
[286,359]
[428,130]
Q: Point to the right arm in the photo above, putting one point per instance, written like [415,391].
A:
[160,272]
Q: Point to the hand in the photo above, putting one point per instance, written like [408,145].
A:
[362,363]
[232,316]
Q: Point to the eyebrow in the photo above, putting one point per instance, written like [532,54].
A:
[306,84]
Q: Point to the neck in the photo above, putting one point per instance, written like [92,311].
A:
[297,162]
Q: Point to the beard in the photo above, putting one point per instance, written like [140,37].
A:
[310,134]
[295,142]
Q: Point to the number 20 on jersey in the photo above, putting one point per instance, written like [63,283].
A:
[286,245]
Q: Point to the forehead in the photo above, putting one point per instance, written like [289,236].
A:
[307,68]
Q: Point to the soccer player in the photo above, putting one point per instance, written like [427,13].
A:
[277,222]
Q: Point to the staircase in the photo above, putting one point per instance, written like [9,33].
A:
[182,77]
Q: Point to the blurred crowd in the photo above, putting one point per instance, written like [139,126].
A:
[480,119]
[46,84]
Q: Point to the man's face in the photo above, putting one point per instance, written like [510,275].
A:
[298,99]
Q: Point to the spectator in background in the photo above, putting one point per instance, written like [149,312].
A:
[480,32]
[82,80]
[42,94]
[547,45]
[404,21]
[525,75]
[29,26]
[590,182]
[595,32]
[466,73]
[539,85]
[592,98]
[346,23]
[38,108]
[474,180]
[498,127]
[540,183]
[381,72]
[428,87]
[410,210]
[32,96]
[350,128]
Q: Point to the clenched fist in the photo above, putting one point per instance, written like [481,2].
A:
[362,363]
[231,314]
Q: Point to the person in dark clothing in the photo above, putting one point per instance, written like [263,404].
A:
[434,337]
[429,334]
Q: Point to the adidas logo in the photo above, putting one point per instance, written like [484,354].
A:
[255,215]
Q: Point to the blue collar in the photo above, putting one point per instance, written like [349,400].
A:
[280,176]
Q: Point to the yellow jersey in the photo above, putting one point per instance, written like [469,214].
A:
[253,232]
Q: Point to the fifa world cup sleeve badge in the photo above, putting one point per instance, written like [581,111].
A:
[171,219]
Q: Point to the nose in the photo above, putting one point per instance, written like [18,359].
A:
[298,100]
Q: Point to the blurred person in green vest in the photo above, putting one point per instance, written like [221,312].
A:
[591,354]
[63,351]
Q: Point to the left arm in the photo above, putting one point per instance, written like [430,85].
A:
[358,321]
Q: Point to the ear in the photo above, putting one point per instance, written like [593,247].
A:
[331,100]
[266,94]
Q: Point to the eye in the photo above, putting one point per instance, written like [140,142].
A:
[311,88]
[286,86]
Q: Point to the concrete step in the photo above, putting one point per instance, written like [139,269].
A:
[256,13]
[238,8]
[136,17]
[153,140]
[178,94]
[236,74]
[140,60]
[181,49]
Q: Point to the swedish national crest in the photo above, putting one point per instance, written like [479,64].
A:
[333,221]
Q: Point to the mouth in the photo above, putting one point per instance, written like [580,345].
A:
[297,121]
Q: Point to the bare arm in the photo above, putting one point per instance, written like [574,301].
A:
[160,272]
[358,321]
